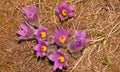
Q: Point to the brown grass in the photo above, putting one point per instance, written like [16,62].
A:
[101,19]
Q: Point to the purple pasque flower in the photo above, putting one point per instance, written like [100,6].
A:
[41,33]
[41,48]
[80,41]
[59,59]
[61,36]
[31,13]
[64,11]
[25,32]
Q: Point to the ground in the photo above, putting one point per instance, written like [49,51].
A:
[100,18]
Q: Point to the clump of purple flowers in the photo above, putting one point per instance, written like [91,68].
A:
[31,13]
[25,31]
[64,11]
[60,38]
[59,59]
[41,33]
[41,48]
[79,41]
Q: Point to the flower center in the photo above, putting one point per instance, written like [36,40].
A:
[43,48]
[26,31]
[64,12]
[31,15]
[62,39]
[61,59]
[43,34]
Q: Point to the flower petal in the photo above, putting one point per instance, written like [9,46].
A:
[33,9]
[35,31]
[61,16]
[44,28]
[64,5]
[38,54]
[21,33]
[37,47]
[80,35]
[23,26]
[57,9]
[77,44]
[87,40]
[64,32]
[37,34]
[71,8]
[65,64]
[29,32]
[59,51]
[43,53]
[58,65]
[53,57]
[26,10]
[71,14]
[43,42]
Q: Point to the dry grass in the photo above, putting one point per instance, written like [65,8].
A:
[101,19]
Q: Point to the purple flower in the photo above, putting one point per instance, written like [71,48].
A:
[41,33]
[59,59]
[31,14]
[65,11]
[80,40]
[41,48]
[25,32]
[61,36]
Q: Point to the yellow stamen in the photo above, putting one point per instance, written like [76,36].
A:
[43,48]
[31,15]
[43,34]
[62,39]
[61,59]
[64,12]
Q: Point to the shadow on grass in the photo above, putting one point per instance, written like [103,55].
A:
[39,58]
[57,70]
[24,40]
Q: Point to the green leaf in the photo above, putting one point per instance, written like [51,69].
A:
[2,17]
[104,42]
[53,8]
[106,60]
[97,33]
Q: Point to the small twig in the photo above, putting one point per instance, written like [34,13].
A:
[36,64]
[79,60]
[31,57]
[25,39]
[79,1]
[97,40]
[113,29]
[115,48]
[109,24]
